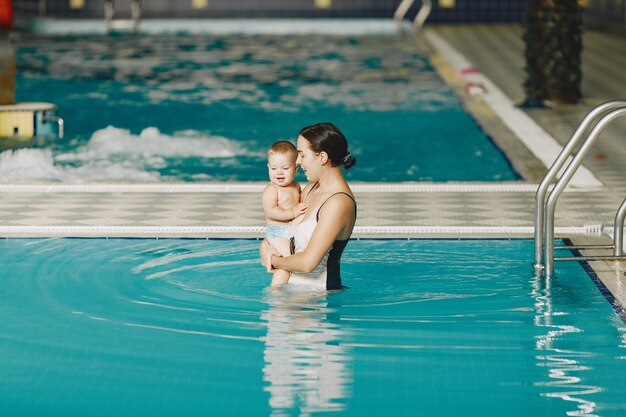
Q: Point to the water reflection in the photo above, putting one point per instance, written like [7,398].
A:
[563,364]
[306,363]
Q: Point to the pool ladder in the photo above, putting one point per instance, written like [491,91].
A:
[420,18]
[545,201]
[122,24]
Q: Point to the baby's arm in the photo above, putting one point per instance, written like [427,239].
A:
[274,212]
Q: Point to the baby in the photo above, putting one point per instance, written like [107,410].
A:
[281,201]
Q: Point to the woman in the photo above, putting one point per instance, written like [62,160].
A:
[322,233]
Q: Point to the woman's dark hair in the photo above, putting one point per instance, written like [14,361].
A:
[328,138]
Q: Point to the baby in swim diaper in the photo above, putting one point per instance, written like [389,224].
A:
[281,201]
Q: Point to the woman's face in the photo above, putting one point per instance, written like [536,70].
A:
[308,160]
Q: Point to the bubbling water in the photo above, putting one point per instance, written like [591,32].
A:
[116,154]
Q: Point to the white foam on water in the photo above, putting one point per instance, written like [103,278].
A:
[115,154]
[28,163]
[152,144]
[39,164]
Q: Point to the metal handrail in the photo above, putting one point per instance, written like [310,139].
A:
[618,230]
[402,10]
[132,23]
[565,179]
[422,14]
[420,18]
[59,121]
[566,152]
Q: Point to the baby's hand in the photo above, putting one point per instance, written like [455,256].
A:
[299,209]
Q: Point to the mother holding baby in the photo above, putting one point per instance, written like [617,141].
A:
[321,234]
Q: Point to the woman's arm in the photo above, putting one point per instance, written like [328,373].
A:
[267,251]
[336,215]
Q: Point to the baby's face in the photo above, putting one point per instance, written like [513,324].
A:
[282,168]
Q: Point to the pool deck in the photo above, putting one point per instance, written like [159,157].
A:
[494,54]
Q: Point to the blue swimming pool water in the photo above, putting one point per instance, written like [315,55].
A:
[188,327]
[206,107]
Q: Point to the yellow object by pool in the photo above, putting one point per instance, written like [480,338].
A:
[17,123]
[323,4]
[27,120]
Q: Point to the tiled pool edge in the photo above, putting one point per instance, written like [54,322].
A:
[257,187]
[535,138]
[458,73]
[521,159]
[607,275]
[208,232]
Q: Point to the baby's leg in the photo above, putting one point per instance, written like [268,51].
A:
[280,277]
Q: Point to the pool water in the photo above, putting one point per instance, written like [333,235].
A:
[189,327]
[206,107]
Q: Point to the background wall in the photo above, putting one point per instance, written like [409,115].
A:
[607,14]
[610,14]
[462,10]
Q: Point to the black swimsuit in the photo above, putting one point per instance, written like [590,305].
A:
[333,269]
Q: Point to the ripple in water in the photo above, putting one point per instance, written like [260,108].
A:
[171,325]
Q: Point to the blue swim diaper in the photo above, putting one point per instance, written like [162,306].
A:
[280,231]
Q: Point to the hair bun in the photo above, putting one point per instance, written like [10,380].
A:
[348,161]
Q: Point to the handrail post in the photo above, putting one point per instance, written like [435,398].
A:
[422,15]
[112,23]
[420,18]
[618,230]
[402,9]
[566,152]
[135,12]
[59,122]
[564,180]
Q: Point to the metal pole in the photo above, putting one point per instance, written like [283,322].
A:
[135,13]
[109,11]
[422,14]
[618,230]
[540,196]
[402,9]
[564,180]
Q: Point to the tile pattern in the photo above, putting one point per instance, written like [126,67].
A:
[242,210]
[154,209]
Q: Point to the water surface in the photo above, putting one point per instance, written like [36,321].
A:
[168,327]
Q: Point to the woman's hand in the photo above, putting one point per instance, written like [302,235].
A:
[267,251]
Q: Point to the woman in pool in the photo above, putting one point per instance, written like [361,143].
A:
[322,233]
